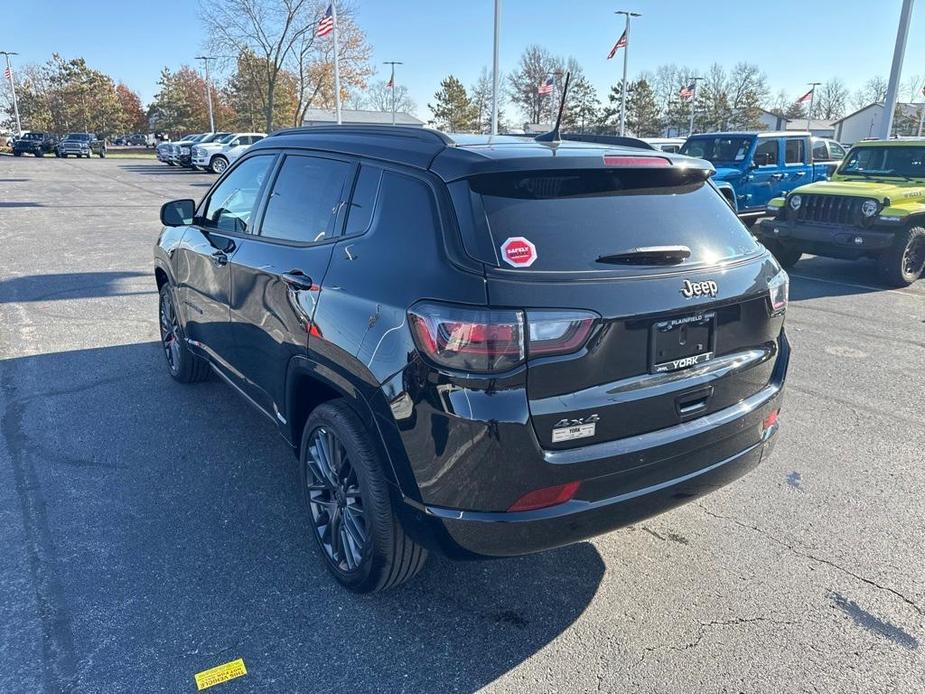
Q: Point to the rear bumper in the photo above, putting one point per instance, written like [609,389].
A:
[825,239]
[634,478]
[509,534]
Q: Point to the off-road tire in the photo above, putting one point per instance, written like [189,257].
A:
[786,255]
[389,556]
[896,267]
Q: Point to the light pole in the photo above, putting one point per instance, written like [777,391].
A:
[626,50]
[9,72]
[393,63]
[812,99]
[694,81]
[495,76]
[205,61]
[899,52]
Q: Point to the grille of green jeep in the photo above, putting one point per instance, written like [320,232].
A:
[830,209]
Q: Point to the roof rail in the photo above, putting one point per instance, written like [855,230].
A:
[422,134]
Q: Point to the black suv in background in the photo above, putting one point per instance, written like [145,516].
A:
[38,144]
[485,346]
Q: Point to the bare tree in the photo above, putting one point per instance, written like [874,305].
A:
[480,95]
[873,92]
[536,65]
[830,100]
[379,98]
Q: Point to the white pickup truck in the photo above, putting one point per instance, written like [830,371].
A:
[216,156]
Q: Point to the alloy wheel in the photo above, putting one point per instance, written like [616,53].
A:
[219,166]
[335,501]
[170,333]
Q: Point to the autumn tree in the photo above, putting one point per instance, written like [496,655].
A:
[246,95]
[453,110]
[181,105]
[133,117]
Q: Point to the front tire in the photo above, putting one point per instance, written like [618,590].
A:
[786,255]
[904,261]
[184,366]
[218,164]
[348,504]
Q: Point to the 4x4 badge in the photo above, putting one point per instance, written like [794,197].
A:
[706,288]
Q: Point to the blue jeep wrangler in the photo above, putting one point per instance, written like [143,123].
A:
[754,167]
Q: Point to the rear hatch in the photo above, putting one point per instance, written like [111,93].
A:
[685,323]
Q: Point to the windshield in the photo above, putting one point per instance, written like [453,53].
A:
[885,161]
[213,137]
[726,150]
[226,139]
[573,218]
[77,136]
[33,136]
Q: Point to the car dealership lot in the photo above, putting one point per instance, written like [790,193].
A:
[151,531]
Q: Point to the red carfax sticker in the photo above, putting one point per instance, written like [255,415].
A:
[518,252]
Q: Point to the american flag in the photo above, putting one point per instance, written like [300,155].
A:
[326,25]
[391,83]
[621,43]
[688,91]
[923,90]
[8,73]
[806,97]
[546,87]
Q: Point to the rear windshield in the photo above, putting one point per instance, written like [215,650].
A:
[574,218]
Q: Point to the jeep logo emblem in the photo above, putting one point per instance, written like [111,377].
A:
[691,289]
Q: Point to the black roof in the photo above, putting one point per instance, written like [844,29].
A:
[456,156]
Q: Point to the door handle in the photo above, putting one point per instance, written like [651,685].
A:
[220,258]
[298,280]
[777,176]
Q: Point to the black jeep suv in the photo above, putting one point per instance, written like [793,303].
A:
[486,346]
[37,144]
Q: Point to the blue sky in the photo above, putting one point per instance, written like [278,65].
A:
[793,41]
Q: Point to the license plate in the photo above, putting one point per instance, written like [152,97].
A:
[679,343]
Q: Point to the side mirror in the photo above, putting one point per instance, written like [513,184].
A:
[178,213]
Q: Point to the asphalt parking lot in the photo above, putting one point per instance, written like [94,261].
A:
[149,530]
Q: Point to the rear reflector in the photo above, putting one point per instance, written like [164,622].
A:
[630,161]
[547,496]
[770,420]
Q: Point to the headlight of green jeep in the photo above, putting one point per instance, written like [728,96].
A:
[869,208]
[795,202]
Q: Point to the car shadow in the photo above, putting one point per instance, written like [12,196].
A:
[172,538]
[157,168]
[76,285]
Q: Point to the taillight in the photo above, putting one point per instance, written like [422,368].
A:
[485,341]
[779,292]
[469,339]
[635,162]
[558,332]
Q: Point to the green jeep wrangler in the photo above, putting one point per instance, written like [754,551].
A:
[873,207]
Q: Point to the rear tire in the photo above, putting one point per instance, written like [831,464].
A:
[184,366]
[348,504]
[786,255]
[17,154]
[903,262]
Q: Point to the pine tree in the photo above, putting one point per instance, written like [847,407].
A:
[642,113]
[453,111]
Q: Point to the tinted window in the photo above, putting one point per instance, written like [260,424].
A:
[574,217]
[363,201]
[838,152]
[305,199]
[233,203]
[718,149]
[767,153]
[794,152]
[819,152]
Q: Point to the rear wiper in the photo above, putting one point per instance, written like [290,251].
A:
[649,255]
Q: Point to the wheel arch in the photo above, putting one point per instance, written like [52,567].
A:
[310,383]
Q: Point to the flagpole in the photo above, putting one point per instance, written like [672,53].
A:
[393,63]
[626,51]
[336,65]
[494,69]
[812,97]
[9,70]
[690,129]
